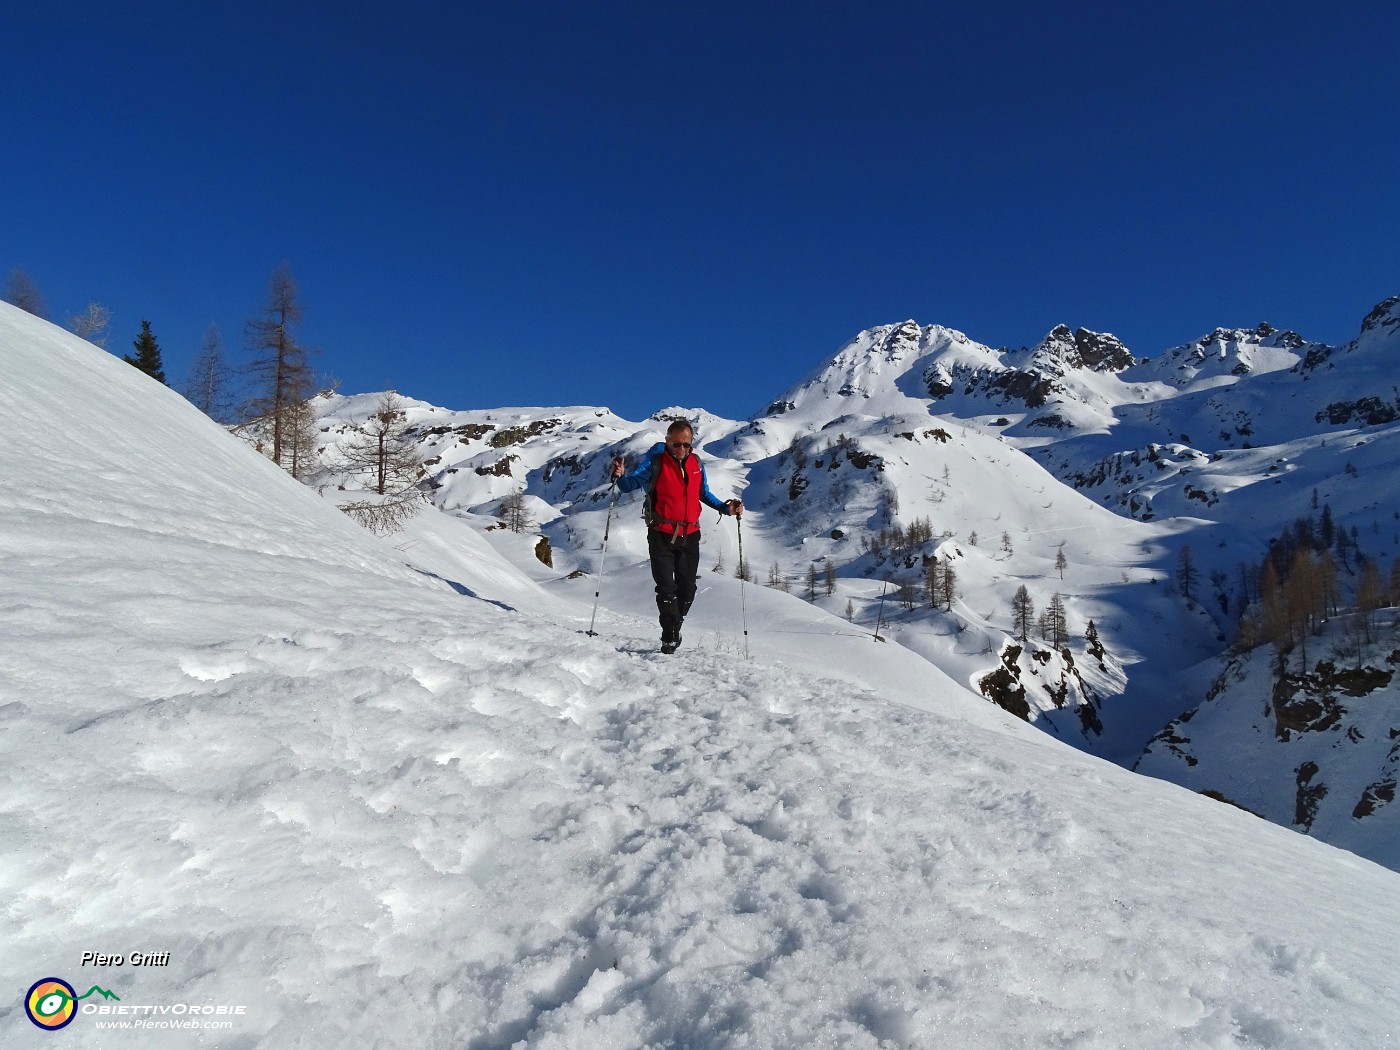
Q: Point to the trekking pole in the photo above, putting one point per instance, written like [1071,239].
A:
[598,589]
[743,579]
[880,613]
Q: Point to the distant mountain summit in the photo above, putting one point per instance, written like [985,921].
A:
[1096,351]
[1386,315]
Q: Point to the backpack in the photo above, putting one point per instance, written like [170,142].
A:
[649,500]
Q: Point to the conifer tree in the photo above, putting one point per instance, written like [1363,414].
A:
[1056,622]
[1091,641]
[147,356]
[948,584]
[1370,596]
[1273,624]
[933,580]
[1061,562]
[1022,613]
[1186,573]
[1329,591]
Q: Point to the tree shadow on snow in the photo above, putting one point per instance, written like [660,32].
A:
[466,591]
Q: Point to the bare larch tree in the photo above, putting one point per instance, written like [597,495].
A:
[384,455]
[22,292]
[279,366]
[93,324]
[210,377]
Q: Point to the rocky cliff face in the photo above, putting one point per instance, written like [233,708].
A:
[1096,351]
[1316,749]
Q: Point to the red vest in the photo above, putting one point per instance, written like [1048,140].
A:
[676,503]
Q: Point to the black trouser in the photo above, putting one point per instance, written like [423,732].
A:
[675,565]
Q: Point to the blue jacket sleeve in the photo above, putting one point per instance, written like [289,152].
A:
[707,497]
[641,475]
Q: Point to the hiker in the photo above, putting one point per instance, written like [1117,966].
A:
[675,482]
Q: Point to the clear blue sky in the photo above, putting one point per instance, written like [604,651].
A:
[639,204]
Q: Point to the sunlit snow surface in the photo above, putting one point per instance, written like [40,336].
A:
[393,806]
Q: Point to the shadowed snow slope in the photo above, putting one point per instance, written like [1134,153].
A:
[380,810]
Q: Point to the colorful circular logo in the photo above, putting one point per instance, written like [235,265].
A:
[51,1003]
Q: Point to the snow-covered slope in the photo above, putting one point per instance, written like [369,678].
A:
[1072,469]
[372,803]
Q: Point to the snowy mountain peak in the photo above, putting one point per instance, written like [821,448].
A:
[868,370]
[1369,352]
[1228,353]
[1385,315]
[1082,348]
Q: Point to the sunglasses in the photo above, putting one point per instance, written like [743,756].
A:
[681,444]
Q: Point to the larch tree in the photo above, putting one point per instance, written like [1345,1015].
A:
[908,594]
[383,454]
[515,513]
[948,584]
[300,456]
[21,291]
[1056,622]
[147,356]
[776,579]
[1022,613]
[1061,562]
[1186,573]
[742,570]
[93,324]
[209,385]
[933,580]
[279,366]
[1370,596]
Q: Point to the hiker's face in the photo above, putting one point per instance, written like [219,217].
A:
[679,443]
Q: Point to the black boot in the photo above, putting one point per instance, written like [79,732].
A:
[670,638]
